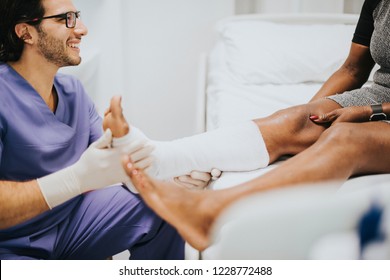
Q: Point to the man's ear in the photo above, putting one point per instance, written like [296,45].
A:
[22,30]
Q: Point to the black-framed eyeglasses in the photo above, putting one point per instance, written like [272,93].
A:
[70,18]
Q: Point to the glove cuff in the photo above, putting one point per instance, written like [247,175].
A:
[59,187]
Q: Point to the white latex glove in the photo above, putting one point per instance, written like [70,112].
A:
[198,179]
[142,157]
[215,173]
[98,167]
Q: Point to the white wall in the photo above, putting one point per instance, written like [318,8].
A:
[298,6]
[101,50]
[335,6]
[353,6]
[148,51]
[164,40]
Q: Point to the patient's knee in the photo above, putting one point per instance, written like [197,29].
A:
[292,129]
[292,119]
[342,135]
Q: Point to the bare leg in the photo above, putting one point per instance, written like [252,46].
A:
[290,131]
[343,150]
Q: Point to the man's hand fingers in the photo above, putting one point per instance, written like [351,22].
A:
[188,182]
[145,163]
[203,176]
[141,152]
[104,141]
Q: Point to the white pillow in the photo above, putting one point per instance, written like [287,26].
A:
[258,52]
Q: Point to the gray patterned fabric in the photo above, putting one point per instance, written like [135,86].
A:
[379,91]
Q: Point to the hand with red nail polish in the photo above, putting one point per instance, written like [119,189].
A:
[347,114]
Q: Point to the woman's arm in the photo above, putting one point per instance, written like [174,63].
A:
[350,114]
[386,109]
[351,75]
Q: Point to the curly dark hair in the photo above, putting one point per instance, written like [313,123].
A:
[13,12]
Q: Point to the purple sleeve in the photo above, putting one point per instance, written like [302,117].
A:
[96,126]
[1,139]
[3,128]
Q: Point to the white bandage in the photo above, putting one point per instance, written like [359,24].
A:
[236,148]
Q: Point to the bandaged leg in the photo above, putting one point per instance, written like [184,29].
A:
[236,148]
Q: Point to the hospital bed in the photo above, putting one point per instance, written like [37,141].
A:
[260,64]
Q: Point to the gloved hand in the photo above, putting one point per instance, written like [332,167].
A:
[130,144]
[198,179]
[141,157]
[99,166]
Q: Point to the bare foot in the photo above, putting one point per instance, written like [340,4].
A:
[187,210]
[114,119]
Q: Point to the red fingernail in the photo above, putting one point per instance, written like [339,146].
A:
[313,118]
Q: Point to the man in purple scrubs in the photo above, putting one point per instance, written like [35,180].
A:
[55,161]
